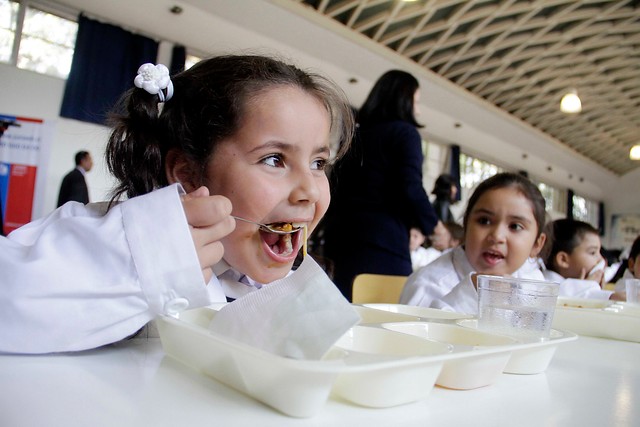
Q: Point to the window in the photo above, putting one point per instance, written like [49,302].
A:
[35,40]
[585,210]
[555,200]
[8,19]
[191,61]
[473,171]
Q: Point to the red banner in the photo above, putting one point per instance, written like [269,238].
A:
[21,154]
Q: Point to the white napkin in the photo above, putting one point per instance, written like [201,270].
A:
[300,316]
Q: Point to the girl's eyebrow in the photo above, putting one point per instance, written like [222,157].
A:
[484,211]
[284,146]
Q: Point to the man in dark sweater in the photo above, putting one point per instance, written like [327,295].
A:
[74,186]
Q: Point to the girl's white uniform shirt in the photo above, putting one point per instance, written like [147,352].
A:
[422,256]
[81,278]
[446,283]
[576,288]
[620,284]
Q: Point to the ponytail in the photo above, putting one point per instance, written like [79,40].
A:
[134,154]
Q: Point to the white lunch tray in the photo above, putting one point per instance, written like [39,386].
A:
[598,318]
[395,361]
[526,357]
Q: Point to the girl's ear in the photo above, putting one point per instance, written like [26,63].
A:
[630,263]
[562,259]
[180,170]
[538,245]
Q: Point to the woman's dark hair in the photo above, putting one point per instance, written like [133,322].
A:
[564,235]
[391,98]
[442,187]
[510,180]
[635,249]
[208,105]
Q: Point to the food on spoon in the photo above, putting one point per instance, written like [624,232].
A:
[281,226]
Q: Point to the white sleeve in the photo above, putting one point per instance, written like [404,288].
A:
[429,283]
[583,289]
[79,278]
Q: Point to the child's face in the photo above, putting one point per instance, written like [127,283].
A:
[634,266]
[584,257]
[272,170]
[501,232]
[416,239]
[441,238]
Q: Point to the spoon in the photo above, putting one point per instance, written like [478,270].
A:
[268,228]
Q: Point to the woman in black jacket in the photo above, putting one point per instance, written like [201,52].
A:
[377,190]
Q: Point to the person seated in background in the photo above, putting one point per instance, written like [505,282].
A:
[420,255]
[572,259]
[632,270]
[446,237]
[446,192]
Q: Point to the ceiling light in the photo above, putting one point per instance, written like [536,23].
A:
[570,103]
[634,153]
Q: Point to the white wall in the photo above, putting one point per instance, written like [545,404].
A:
[29,94]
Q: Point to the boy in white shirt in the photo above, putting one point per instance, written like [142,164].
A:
[572,260]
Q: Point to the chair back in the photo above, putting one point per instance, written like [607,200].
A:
[377,288]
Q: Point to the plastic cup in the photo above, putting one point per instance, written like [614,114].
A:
[516,307]
[632,286]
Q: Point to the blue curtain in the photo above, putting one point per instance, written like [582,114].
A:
[454,168]
[105,62]
[601,221]
[569,204]
[178,59]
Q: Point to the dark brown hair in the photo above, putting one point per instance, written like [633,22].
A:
[511,180]
[564,235]
[208,105]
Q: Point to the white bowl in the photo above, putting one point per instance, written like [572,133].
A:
[530,357]
[485,354]
[387,368]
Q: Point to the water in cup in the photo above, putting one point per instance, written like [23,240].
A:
[516,307]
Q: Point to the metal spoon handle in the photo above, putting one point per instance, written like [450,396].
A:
[265,227]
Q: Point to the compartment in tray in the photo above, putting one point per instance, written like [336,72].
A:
[486,354]
[530,357]
[599,318]
[421,313]
[388,368]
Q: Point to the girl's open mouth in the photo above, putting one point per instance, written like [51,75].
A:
[282,248]
[492,258]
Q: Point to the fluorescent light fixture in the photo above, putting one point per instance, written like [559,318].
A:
[570,103]
[634,153]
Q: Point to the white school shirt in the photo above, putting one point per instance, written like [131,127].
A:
[446,283]
[620,284]
[577,288]
[80,278]
[422,256]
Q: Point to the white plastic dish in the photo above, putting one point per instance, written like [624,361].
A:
[391,369]
[598,318]
[491,352]
[418,313]
[374,365]
[530,357]
[368,366]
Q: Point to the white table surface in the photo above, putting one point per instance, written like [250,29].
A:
[590,382]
